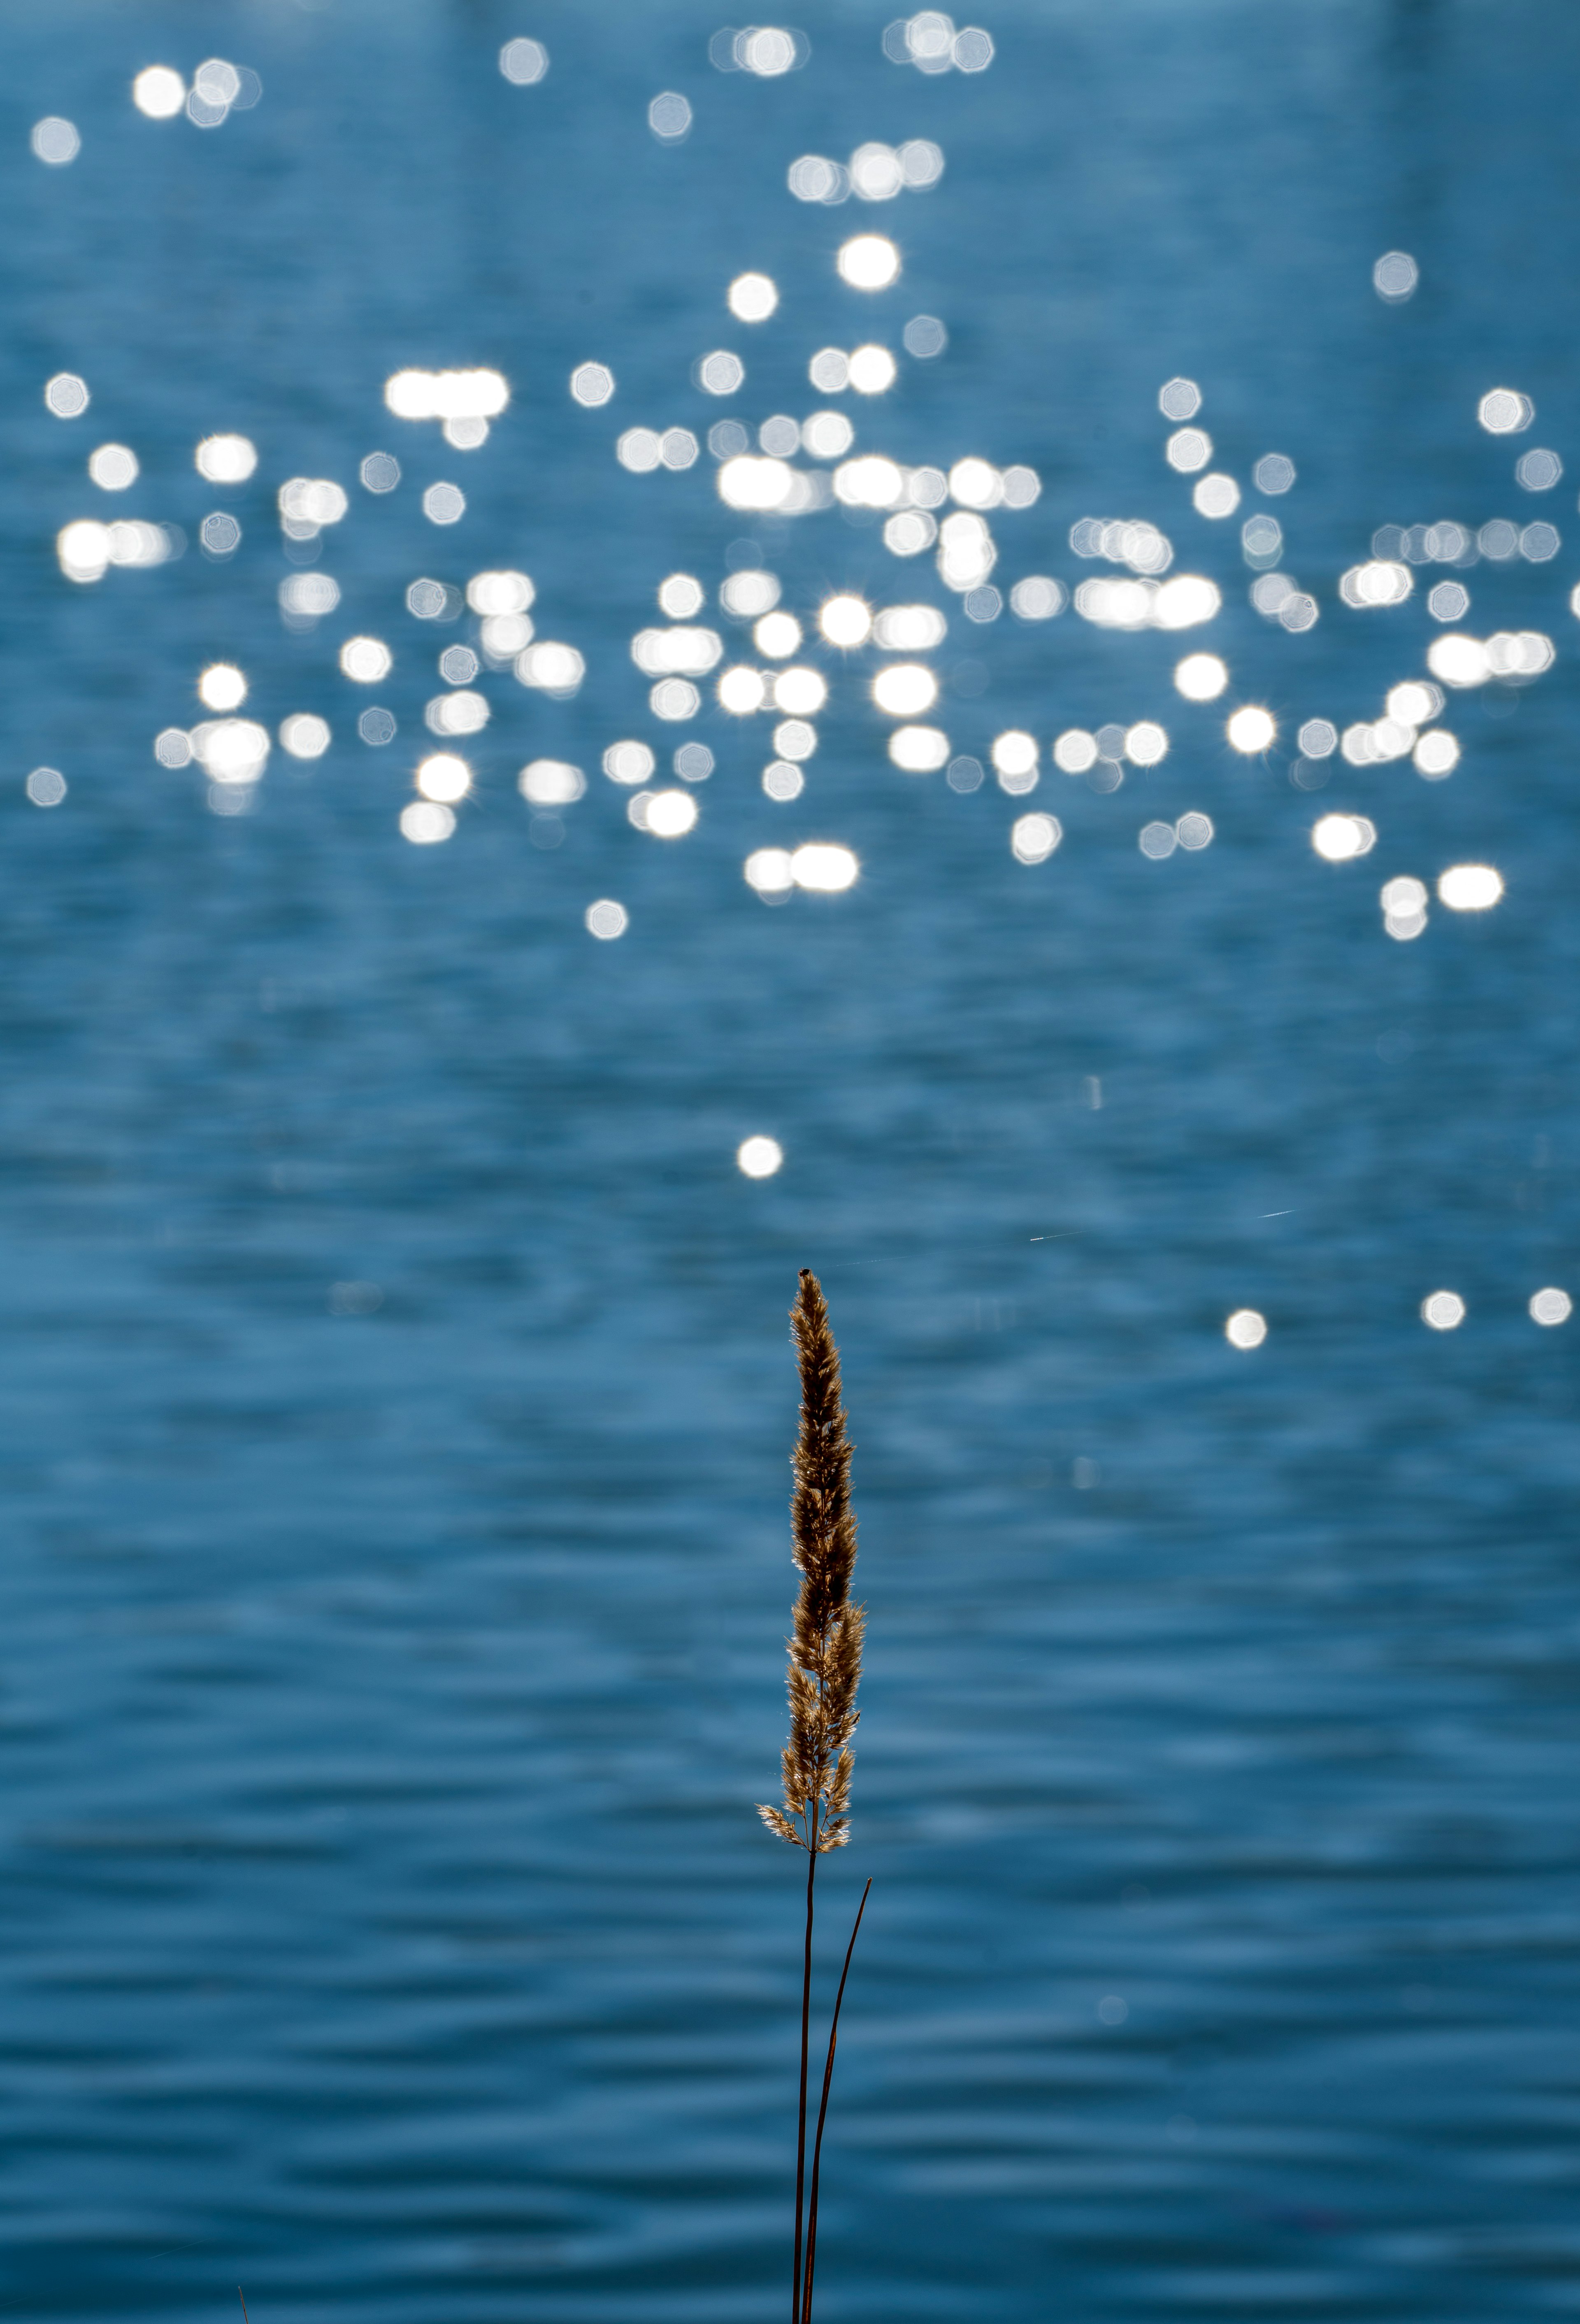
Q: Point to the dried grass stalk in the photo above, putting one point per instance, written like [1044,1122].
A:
[824,1670]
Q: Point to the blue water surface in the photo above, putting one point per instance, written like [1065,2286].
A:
[387,1673]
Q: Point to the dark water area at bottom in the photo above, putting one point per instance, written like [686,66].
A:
[396,1391]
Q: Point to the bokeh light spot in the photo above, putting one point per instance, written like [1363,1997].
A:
[1251,730]
[752,298]
[1470,887]
[1201,677]
[869,261]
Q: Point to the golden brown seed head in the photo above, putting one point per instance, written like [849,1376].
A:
[826,1645]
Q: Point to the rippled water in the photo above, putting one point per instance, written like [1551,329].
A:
[384,1693]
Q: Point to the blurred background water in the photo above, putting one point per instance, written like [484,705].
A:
[387,1673]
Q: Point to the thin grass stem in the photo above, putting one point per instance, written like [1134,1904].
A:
[801,2110]
[806,2314]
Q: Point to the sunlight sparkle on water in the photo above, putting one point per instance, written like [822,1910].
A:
[304,735]
[1404,908]
[225,459]
[1340,838]
[1215,496]
[1436,754]
[551,783]
[752,298]
[909,629]
[160,92]
[447,394]
[668,116]
[801,690]
[55,141]
[1201,677]
[919,750]
[464,712]
[751,482]
[845,621]
[795,740]
[1074,750]
[523,62]
[231,750]
[1038,598]
[871,370]
[769,871]
[822,867]
[222,687]
[747,595]
[444,777]
[1251,730]
[591,384]
[827,435]
[1014,757]
[67,396]
[869,261]
[680,595]
[113,467]
[551,667]
[365,661]
[499,594]
[777,636]
[1537,471]
[741,690]
[1189,449]
[670,815]
[904,688]
[628,762]
[685,652]
[427,823]
[1034,837]
[1504,411]
[719,373]
[1470,887]
[1395,276]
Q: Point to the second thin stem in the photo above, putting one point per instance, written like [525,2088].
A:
[801,2109]
[805,2309]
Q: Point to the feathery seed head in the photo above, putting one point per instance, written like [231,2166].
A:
[826,1645]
